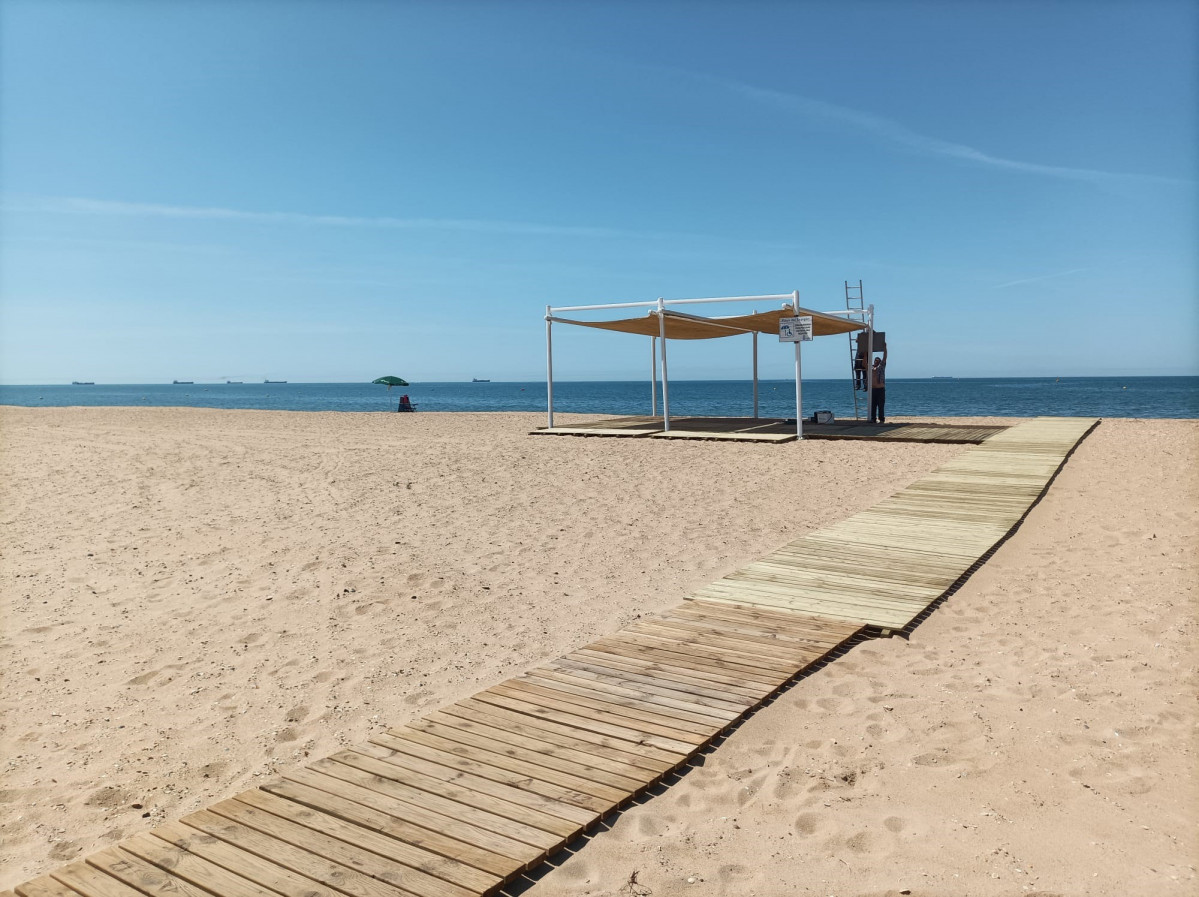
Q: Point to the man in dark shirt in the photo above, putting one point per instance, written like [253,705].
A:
[878,390]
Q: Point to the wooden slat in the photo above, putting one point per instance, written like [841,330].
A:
[432,856]
[456,790]
[643,720]
[563,803]
[509,740]
[644,723]
[589,431]
[790,642]
[353,875]
[425,801]
[720,701]
[407,751]
[757,623]
[418,871]
[193,868]
[439,853]
[484,850]
[624,702]
[662,748]
[676,705]
[784,658]
[154,882]
[590,743]
[91,882]
[781,624]
[44,886]
[253,868]
[815,635]
[669,666]
[466,745]
[681,655]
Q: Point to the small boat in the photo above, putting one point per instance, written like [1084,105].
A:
[477,380]
[83,382]
[183,382]
[274,381]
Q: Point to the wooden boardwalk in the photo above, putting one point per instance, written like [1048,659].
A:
[884,566]
[770,429]
[467,798]
[462,801]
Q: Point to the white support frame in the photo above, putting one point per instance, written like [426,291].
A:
[869,362]
[549,365]
[653,376]
[659,307]
[665,378]
[798,375]
[755,336]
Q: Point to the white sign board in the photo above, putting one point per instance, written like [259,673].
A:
[795,330]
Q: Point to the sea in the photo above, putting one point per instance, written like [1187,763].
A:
[1143,397]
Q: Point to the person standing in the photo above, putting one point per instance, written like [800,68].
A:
[878,390]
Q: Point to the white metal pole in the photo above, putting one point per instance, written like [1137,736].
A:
[549,367]
[665,376]
[755,335]
[798,377]
[653,376]
[869,362]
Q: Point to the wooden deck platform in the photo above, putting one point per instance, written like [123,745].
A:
[462,801]
[773,429]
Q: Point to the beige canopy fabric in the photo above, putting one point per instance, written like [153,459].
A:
[686,326]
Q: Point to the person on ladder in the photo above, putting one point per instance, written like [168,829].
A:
[878,390]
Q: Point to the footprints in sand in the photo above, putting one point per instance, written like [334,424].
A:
[939,757]
[109,798]
[862,842]
[809,823]
[648,826]
[149,676]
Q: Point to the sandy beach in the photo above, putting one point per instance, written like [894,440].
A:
[193,600]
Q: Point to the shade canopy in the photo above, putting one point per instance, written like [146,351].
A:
[663,324]
[687,326]
[391,381]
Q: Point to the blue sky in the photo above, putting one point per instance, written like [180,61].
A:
[320,191]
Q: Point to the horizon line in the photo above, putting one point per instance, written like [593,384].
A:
[609,380]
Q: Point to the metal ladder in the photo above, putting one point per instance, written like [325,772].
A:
[855,304]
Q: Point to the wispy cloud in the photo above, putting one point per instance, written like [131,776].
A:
[83,206]
[894,132]
[1013,283]
[685,243]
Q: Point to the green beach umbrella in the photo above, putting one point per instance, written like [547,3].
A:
[389,382]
